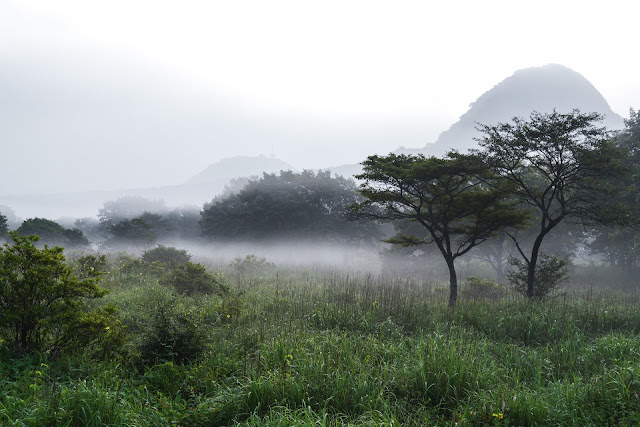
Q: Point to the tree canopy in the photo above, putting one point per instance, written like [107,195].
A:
[290,205]
[50,232]
[447,196]
[560,166]
[621,245]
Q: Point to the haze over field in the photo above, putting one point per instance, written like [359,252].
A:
[141,95]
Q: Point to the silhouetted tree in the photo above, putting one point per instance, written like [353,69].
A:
[289,205]
[560,166]
[134,232]
[447,196]
[50,232]
[127,207]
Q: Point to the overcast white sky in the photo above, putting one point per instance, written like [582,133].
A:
[399,62]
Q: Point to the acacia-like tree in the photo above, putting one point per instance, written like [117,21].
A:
[447,196]
[561,166]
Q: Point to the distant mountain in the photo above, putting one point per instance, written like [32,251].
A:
[199,189]
[538,88]
[346,171]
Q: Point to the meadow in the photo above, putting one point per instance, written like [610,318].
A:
[284,345]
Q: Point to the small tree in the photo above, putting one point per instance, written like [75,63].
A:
[42,303]
[559,165]
[191,279]
[448,197]
[551,272]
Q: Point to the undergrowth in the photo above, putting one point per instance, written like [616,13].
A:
[292,346]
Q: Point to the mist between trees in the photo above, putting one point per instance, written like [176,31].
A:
[540,196]
[496,286]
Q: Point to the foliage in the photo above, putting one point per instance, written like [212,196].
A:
[289,205]
[191,279]
[12,219]
[42,303]
[561,166]
[136,232]
[477,288]
[127,207]
[173,333]
[166,255]
[4,228]
[166,225]
[90,227]
[51,232]
[551,272]
[251,266]
[621,246]
[47,230]
[318,347]
[89,266]
[74,238]
[447,196]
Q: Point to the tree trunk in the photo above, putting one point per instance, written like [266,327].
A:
[500,262]
[531,272]
[453,283]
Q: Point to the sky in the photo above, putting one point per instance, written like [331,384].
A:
[129,94]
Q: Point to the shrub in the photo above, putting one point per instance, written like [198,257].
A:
[42,303]
[477,288]
[192,279]
[167,255]
[174,332]
[90,265]
[251,266]
[551,272]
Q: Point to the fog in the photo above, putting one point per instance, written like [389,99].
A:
[78,122]
[98,102]
[322,255]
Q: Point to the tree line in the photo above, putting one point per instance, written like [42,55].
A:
[529,179]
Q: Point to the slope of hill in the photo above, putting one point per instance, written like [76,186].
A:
[538,88]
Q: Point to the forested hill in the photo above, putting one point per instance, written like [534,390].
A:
[537,88]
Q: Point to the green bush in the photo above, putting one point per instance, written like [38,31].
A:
[90,265]
[252,266]
[167,255]
[43,304]
[551,272]
[192,279]
[174,332]
[477,288]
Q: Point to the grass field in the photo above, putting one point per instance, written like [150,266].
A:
[296,346]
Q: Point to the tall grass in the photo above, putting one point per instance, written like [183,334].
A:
[295,346]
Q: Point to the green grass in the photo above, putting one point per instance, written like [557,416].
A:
[309,347]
